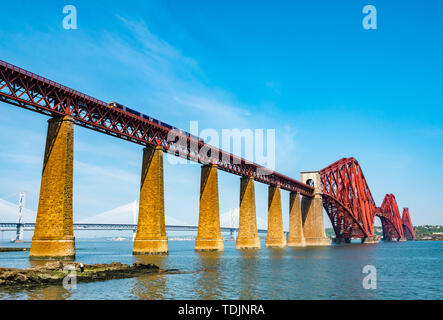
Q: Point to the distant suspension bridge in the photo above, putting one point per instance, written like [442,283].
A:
[20,227]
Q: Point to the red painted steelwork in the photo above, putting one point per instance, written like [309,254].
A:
[408,230]
[348,200]
[390,218]
[351,207]
[33,92]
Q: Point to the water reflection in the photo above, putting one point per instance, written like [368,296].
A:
[209,284]
[404,271]
[53,292]
[154,286]
[50,293]
[39,263]
[249,274]
[297,252]
[276,253]
[341,271]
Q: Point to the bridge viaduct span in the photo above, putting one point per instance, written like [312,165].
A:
[344,196]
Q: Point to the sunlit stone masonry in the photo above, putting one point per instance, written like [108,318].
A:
[151,229]
[209,236]
[54,235]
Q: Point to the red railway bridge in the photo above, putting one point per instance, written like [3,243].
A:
[349,203]
[340,188]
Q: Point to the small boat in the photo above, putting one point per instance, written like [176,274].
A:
[17,241]
[117,239]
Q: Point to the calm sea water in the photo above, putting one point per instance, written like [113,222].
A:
[406,270]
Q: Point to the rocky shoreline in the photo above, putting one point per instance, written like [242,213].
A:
[55,272]
[8,249]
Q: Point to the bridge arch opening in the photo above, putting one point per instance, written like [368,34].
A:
[310,182]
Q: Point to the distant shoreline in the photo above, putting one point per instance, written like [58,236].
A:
[12,249]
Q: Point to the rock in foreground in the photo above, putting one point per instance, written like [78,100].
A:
[54,272]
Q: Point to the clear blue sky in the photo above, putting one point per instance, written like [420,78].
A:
[305,68]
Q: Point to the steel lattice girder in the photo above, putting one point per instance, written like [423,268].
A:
[33,92]
[347,199]
[351,207]
[408,230]
[390,218]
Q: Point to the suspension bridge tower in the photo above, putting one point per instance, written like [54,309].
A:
[21,207]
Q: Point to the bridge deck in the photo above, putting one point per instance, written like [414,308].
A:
[33,92]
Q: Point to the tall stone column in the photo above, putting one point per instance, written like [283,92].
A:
[151,230]
[247,228]
[296,237]
[209,236]
[312,212]
[275,237]
[53,234]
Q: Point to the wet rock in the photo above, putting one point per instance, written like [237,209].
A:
[21,278]
[142,265]
[54,272]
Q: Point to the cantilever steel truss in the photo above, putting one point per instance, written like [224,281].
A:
[390,218]
[347,199]
[351,207]
[33,92]
[408,230]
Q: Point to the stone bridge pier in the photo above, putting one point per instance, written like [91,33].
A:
[275,237]
[151,229]
[54,237]
[247,225]
[209,236]
[296,237]
[54,234]
[312,212]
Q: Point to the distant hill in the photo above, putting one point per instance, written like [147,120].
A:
[330,232]
[429,232]
[426,232]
